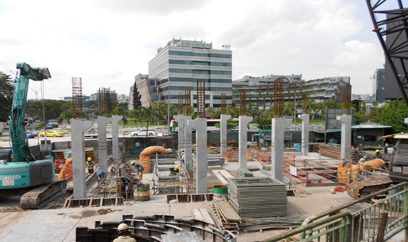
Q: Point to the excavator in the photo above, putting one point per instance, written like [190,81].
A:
[24,175]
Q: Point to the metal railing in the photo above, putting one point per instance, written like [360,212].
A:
[357,221]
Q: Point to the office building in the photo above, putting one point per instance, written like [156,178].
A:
[179,64]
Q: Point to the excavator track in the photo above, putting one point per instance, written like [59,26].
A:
[40,196]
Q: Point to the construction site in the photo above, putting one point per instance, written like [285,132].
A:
[181,187]
[192,184]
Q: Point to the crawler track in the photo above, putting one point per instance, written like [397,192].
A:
[40,196]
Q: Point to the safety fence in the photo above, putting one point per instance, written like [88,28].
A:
[357,221]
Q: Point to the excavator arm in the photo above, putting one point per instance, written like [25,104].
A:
[18,134]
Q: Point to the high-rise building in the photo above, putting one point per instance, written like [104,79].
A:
[378,85]
[179,64]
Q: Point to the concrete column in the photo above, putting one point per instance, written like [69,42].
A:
[243,140]
[345,154]
[223,134]
[78,128]
[103,146]
[188,151]
[305,133]
[181,122]
[115,135]
[278,132]
[200,125]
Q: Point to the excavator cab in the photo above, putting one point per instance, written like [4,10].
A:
[399,161]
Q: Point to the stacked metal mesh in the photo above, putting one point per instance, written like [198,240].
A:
[255,197]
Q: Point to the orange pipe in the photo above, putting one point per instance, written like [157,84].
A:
[145,156]
[347,174]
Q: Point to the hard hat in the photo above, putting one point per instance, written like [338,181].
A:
[182,150]
[122,227]
[89,158]
[377,151]
[176,168]
[133,163]
[365,157]
[101,173]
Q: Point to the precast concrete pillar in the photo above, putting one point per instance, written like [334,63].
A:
[102,144]
[180,133]
[115,135]
[345,154]
[243,140]
[188,150]
[200,125]
[78,128]
[277,156]
[305,133]
[223,134]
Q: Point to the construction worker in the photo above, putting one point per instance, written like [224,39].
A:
[377,155]
[362,160]
[174,170]
[90,165]
[139,168]
[124,234]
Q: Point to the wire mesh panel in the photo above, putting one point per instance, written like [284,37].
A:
[242,102]
[279,99]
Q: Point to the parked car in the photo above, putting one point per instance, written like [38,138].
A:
[53,133]
[91,133]
[142,132]
[51,125]
[31,134]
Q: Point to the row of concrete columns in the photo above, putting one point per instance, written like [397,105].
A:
[78,127]
[185,125]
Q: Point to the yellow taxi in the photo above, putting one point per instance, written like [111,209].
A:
[53,133]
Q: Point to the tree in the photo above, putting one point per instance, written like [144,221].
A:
[136,98]
[108,103]
[393,114]
[123,109]
[233,111]
[147,115]
[53,108]
[6,96]
[160,109]
[214,112]
[289,108]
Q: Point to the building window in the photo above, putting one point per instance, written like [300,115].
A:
[369,138]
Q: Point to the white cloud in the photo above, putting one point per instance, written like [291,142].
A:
[107,43]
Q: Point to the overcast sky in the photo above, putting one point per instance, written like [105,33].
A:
[108,42]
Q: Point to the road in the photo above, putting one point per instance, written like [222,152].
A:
[123,132]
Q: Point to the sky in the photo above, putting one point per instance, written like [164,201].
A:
[108,42]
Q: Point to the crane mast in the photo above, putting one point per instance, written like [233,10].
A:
[392,23]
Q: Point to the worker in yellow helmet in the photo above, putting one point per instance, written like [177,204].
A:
[124,234]
[377,155]
[90,165]
[174,170]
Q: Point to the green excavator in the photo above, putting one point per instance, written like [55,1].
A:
[21,174]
